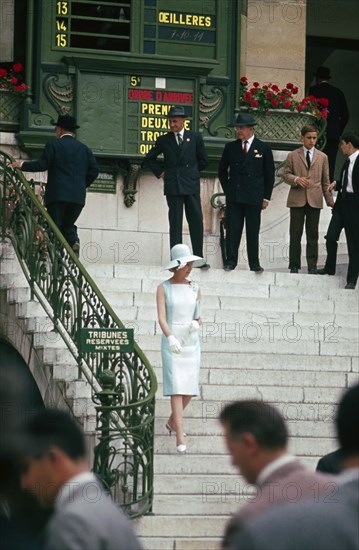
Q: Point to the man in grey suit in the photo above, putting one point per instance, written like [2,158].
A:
[329,524]
[54,468]
[256,437]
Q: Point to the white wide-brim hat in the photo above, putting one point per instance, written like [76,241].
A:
[180,256]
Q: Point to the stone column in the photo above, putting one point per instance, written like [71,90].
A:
[7,31]
[275,42]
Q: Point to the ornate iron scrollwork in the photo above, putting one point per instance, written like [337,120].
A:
[123,384]
[59,91]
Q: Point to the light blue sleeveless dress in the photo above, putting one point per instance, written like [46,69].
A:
[181,370]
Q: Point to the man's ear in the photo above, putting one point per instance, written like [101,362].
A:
[54,454]
[250,441]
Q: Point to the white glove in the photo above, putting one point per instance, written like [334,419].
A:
[174,344]
[194,326]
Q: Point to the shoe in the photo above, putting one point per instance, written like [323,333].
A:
[228,267]
[168,427]
[294,269]
[313,271]
[350,286]
[324,271]
[181,448]
[258,269]
[205,267]
[76,248]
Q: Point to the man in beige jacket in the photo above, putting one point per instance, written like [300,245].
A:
[307,172]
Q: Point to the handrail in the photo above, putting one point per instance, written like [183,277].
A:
[123,385]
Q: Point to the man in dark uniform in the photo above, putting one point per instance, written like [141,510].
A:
[345,213]
[246,173]
[71,169]
[184,156]
[338,114]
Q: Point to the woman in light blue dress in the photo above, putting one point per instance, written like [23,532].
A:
[178,306]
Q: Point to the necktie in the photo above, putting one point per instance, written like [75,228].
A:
[245,147]
[345,178]
[179,140]
[308,159]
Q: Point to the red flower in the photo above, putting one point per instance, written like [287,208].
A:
[323,101]
[265,87]
[287,92]
[287,104]
[253,90]
[256,84]
[290,86]
[13,80]
[275,88]
[244,80]
[299,107]
[311,97]
[295,90]
[3,72]
[281,97]
[269,95]
[17,68]
[324,113]
[21,87]
[275,103]
[248,96]
[254,103]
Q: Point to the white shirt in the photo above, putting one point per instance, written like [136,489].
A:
[66,492]
[181,134]
[249,142]
[352,158]
[273,466]
[311,153]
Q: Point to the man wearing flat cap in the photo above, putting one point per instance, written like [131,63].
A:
[71,168]
[184,156]
[246,173]
[338,114]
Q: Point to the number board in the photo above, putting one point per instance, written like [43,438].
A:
[83,24]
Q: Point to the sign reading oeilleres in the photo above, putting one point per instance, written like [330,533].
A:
[107,339]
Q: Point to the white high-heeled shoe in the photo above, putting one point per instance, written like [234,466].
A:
[171,430]
[181,448]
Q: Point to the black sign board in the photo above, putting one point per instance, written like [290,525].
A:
[107,339]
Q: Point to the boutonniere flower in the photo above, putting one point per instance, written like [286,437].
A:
[257,154]
[188,139]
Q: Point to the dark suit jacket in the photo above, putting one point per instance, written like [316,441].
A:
[71,168]
[181,165]
[329,524]
[338,113]
[355,181]
[331,463]
[251,177]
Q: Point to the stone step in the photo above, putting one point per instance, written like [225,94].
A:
[195,526]
[215,445]
[252,339]
[292,411]
[174,463]
[187,543]
[195,426]
[285,361]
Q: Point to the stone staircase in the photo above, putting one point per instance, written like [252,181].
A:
[291,340]
[288,339]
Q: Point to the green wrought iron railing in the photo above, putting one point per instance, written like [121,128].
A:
[123,384]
